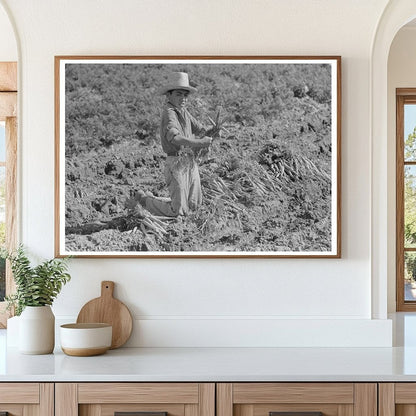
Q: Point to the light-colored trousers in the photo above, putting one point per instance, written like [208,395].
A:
[184,187]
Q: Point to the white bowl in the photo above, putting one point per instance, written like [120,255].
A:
[85,339]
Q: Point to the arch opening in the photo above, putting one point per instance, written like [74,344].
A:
[383,209]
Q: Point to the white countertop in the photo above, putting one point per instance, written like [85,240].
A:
[221,364]
[215,364]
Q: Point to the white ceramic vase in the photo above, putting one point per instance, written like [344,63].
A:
[37,330]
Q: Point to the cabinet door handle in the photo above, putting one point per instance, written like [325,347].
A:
[139,414]
[295,413]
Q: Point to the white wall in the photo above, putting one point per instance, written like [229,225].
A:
[401,74]
[8,46]
[203,302]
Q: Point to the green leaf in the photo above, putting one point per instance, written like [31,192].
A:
[35,286]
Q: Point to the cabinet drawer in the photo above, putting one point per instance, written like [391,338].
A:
[303,399]
[21,399]
[148,399]
[138,393]
[19,393]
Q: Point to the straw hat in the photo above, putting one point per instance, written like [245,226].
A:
[177,81]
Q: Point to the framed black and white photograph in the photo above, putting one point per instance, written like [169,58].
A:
[198,156]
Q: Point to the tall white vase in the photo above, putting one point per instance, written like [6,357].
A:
[37,330]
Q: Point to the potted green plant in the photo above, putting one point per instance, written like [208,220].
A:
[36,289]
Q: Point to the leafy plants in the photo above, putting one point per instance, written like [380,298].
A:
[35,285]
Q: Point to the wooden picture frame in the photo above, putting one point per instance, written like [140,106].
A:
[270,172]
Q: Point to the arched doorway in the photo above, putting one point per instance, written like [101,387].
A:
[395,16]
[8,150]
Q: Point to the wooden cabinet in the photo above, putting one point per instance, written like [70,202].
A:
[208,399]
[264,399]
[221,399]
[397,399]
[27,399]
[107,399]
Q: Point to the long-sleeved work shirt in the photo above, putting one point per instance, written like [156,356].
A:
[176,122]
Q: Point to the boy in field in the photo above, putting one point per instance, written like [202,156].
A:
[182,136]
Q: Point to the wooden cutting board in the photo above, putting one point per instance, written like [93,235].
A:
[109,310]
